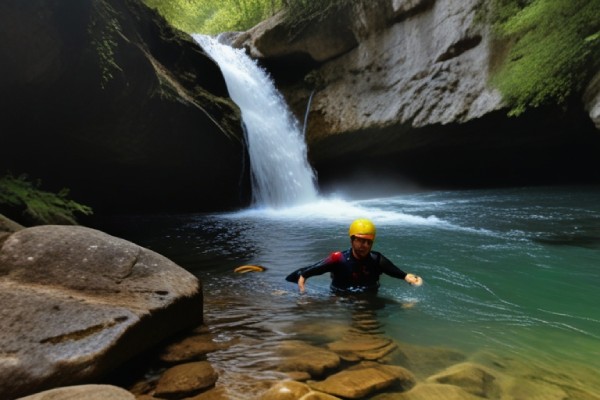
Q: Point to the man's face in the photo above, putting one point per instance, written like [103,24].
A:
[361,247]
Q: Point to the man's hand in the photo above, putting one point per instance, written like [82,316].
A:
[301,284]
[412,279]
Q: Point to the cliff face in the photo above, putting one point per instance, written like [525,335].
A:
[104,98]
[401,90]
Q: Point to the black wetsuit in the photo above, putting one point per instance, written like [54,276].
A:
[349,274]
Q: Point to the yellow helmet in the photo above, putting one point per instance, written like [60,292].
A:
[362,228]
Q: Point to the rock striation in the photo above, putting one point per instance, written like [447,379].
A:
[77,303]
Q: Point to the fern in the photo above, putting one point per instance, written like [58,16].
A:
[39,206]
[556,48]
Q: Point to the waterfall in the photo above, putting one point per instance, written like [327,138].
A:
[280,172]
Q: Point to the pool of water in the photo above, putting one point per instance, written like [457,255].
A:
[511,279]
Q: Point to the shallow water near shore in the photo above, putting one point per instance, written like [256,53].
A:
[511,279]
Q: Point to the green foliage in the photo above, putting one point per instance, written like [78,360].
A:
[39,206]
[103,31]
[214,16]
[555,47]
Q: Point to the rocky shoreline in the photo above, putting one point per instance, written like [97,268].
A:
[354,361]
[88,315]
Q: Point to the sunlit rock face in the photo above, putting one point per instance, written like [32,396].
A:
[104,98]
[404,93]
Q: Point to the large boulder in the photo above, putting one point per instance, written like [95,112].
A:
[76,303]
[106,99]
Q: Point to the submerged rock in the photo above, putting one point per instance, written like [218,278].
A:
[186,380]
[428,391]
[290,390]
[190,348]
[471,378]
[365,379]
[364,347]
[87,392]
[297,356]
[78,302]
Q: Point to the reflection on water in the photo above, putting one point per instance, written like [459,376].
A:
[499,289]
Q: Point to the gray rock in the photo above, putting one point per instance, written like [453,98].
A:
[290,390]
[78,302]
[363,347]
[286,390]
[190,348]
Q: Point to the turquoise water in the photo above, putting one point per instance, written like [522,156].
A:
[511,278]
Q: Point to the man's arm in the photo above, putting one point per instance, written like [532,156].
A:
[319,268]
[388,268]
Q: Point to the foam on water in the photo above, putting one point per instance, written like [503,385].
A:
[337,210]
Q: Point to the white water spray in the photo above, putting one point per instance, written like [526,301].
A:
[280,172]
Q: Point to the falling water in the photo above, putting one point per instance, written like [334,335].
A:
[281,174]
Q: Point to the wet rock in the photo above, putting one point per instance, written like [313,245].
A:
[217,393]
[362,347]
[145,397]
[425,361]
[365,379]
[186,380]
[298,356]
[87,392]
[321,331]
[299,376]
[429,391]
[470,377]
[318,396]
[77,303]
[190,348]
[290,390]
[286,390]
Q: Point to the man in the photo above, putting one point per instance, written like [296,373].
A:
[357,269]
